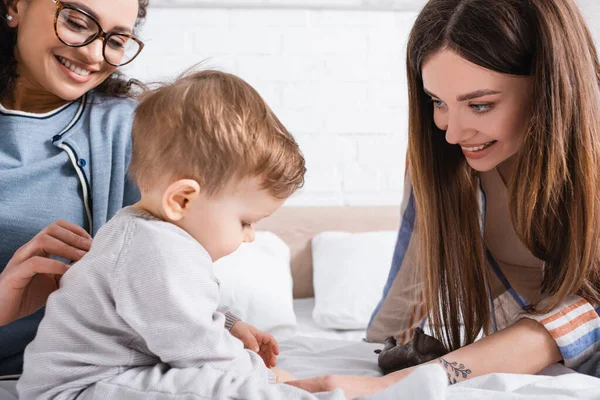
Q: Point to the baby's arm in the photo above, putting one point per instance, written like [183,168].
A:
[166,292]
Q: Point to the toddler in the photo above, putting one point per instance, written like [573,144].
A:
[138,316]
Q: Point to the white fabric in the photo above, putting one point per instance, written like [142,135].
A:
[430,383]
[256,284]
[161,382]
[306,326]
[309,357]
[350,270]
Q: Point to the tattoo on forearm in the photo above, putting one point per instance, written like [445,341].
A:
[454,370]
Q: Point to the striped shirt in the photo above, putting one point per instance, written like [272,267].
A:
[514,283]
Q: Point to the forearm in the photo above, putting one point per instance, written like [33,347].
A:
[524,348]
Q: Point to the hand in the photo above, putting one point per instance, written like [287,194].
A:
[283,375]
[30,275]
[353,386]
[258,341]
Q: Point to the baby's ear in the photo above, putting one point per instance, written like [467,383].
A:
[178,196]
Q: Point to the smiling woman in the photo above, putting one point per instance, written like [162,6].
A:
[483,111]
[65,119]
[50,33]
[499,234]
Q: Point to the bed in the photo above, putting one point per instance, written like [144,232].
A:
[316,350]
[312,349]
[298,227]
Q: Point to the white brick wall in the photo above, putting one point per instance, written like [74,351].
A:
[334,77]
[402,5]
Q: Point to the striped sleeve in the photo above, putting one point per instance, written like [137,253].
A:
[575,326]
[230,318]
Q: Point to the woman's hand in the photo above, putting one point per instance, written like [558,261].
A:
[30,275]
[353,386]
[282,375]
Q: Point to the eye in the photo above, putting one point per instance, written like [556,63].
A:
[438,103]
[246,224]
[481,108]
[75,25]
[116,42]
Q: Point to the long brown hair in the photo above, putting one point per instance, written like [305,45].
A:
[554,201]
[115,85]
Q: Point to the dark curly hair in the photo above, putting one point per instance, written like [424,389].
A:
[115,85]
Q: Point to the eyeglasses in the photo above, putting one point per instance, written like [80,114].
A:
[77,28]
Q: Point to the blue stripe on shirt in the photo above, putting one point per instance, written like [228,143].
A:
[574,349]
[496,268]
[404,236]
[483,210]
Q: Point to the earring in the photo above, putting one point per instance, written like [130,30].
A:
[9,17]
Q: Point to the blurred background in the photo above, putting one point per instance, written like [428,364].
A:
[332,70]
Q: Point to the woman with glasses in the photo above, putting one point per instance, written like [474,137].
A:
[65,120]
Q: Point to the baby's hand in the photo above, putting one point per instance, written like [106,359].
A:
[282,375]
[260,342]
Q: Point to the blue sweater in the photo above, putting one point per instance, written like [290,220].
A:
[68,164]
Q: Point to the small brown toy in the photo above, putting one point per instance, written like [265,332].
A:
[421,349]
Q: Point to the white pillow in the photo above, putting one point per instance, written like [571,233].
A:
[256,284]
[350,271]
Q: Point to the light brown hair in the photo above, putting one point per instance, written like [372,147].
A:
[213,127]
[554,200]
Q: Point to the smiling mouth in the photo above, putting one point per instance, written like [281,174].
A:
[478,148]
[73,68]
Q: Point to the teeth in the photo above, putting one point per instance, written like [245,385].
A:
[478,148]
[77,70]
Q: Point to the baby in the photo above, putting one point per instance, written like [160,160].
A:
[138,316]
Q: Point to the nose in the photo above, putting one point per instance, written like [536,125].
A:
[93,51]
[456,131]
[249,235]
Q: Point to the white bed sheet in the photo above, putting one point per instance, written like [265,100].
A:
[307,357]
[306,326]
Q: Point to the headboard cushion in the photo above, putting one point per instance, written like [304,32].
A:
[298,225]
